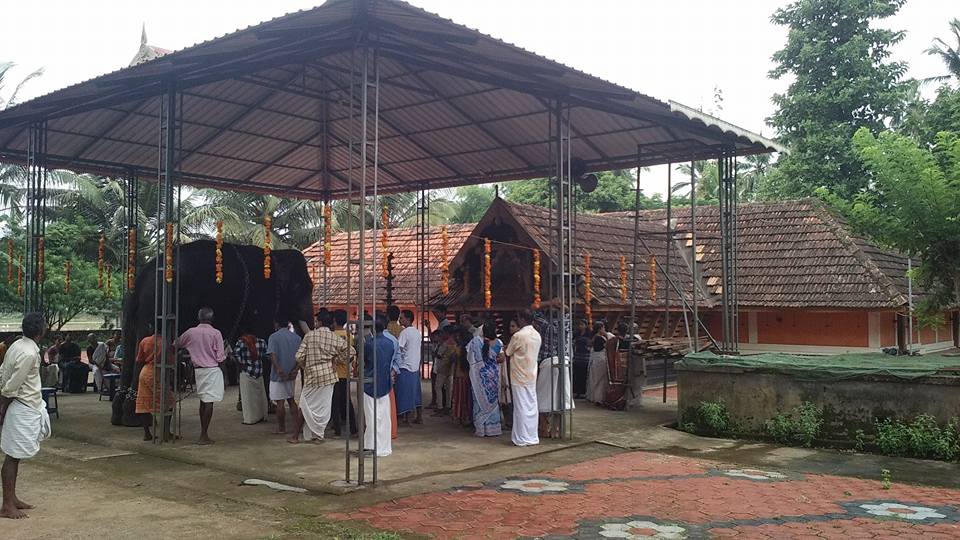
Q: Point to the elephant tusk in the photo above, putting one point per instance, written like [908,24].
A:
[304,327]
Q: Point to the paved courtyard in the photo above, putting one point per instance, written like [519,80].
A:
[647,495]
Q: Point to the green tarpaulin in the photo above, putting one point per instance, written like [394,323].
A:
[839,366]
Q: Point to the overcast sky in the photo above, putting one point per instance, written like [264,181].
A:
[677,49]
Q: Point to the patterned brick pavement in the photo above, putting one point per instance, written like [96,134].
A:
[645,495]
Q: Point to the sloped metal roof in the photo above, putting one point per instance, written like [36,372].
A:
[456,107]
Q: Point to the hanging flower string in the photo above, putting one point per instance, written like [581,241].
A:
[218,255]
[653,278]
[536,279]
[327,243]
[101,250]
[623,279]
[41,259]
[267,226]
[131,258]
[67,266]
[20,275]
[486,274]
[588,311]
[10,261]
[383,242]
[444,265]
[168,255]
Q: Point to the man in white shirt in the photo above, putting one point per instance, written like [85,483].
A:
[409,395]
[524,351]
[99,359]
[23,414]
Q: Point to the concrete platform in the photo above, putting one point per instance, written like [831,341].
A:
[435,448]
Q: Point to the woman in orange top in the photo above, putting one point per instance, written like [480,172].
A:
[148,399]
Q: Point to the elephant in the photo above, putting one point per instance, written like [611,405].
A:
[244,299]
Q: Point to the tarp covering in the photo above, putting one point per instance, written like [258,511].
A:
[841,366]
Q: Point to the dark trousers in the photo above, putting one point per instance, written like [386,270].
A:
[341,409]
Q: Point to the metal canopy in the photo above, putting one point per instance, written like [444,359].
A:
[456,107]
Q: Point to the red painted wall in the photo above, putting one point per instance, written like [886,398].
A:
[842,328]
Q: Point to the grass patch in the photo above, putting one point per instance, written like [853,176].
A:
[310,527]
[799,427]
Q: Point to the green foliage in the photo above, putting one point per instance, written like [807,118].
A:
[886,481]
[471,203]
[615,192]
[950,54]
[800,427]
[922,438]
[842,80]
[709,418]
[913,205]
[859,441]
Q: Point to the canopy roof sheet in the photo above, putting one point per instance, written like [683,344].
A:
[456,107]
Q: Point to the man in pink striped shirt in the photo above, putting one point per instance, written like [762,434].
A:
[205,345]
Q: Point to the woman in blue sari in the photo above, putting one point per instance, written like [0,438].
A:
[482,353]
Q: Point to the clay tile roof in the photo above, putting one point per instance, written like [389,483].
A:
[402,242]
[796,254]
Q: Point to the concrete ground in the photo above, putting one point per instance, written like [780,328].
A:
[94,479]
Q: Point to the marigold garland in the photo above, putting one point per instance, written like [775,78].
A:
[218,255]
[101,250]
[107,291]
[536,279]
[168,255]
[20,276]
[41,260]
[267,225]
[444,264]
[131,258]
[653,278]
[623,279]
[67,266]
[383,242]
[588,311]
[10,260]
[327,244]
[486,274]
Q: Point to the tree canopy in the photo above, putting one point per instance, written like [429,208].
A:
[843,80]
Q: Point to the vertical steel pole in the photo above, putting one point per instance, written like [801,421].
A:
[694,264]
[666,294]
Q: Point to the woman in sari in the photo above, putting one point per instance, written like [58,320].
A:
[482,353]
[598,376]
[506,395]
[462,406]
[148,393]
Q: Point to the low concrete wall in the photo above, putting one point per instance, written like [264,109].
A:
[848,405]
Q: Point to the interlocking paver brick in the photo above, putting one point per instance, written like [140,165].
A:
[636,494]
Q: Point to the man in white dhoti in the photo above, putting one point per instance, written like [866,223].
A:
[23,414]
[318,355]
[378,351]
[524,350]
[205,345]
[249,353]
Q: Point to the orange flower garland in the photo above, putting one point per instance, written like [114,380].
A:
[218,254]
[444,265]
[66,276]
[383,242]
[40,260]
[131,258]
[327,244]
[653,278]
[588,311]
[267,225]
[623,279]
[536,279]
[486,274]
[101,249]
[168,255]
[107,292]
[20,276]
[10,260]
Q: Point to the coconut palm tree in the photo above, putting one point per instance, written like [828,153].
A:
[12,177]
[950,54]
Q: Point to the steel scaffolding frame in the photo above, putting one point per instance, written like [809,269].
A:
[36,217]
[727,173]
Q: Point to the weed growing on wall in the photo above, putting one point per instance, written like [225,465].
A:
[709,418]
[922,438]
[799,427]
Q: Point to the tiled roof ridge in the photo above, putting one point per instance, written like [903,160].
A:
[841,230]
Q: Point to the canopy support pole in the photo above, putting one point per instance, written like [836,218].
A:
[561,410]
[726,169]
[36,217]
